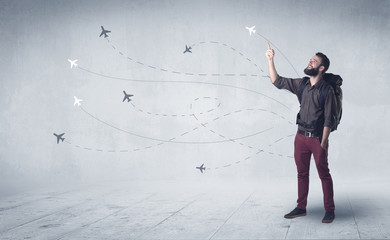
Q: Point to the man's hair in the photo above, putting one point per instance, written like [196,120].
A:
[324,61]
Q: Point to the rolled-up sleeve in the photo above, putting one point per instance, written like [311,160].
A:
[290,84]
[330,109]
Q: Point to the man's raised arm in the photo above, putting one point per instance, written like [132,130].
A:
[270,53]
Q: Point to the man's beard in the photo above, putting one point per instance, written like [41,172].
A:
[312,72]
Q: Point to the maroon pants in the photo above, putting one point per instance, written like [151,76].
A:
[304,148]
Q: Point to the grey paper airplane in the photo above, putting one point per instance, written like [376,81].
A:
[127,96]
[104,32]
[188,49]
[201,168]
[59,137]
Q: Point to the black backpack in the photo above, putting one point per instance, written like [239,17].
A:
[334,81]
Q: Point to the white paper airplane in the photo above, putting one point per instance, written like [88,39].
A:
[251,30]
[77,101]
[73,63]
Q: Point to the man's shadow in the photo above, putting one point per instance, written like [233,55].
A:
[344,210]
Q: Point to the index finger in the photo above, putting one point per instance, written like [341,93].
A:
[269,47]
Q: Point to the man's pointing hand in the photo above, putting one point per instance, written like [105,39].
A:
[270,53]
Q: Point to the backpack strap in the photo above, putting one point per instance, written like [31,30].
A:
[301,87]
[324,94]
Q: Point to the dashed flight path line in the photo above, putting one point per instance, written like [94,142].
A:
[192,73]
[235,139]
[180,114]
[259,150]
[284,56]
[184,82]
[172,140]
[235,50]
[162,141]
[226,139]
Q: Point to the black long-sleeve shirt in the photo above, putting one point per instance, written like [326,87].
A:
[310,109]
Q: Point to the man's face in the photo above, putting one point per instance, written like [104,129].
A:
[313,68]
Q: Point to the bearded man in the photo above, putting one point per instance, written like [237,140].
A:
[315,121]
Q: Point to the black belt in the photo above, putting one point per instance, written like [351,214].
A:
[309,134]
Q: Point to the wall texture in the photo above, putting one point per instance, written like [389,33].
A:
[214,106]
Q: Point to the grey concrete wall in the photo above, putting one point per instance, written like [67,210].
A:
[156,136]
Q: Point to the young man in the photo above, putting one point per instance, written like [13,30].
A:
[314,126]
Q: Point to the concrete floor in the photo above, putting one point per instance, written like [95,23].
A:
[130,210]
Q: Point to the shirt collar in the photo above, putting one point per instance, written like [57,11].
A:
[317,85]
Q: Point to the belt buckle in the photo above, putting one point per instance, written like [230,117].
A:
[308,134]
